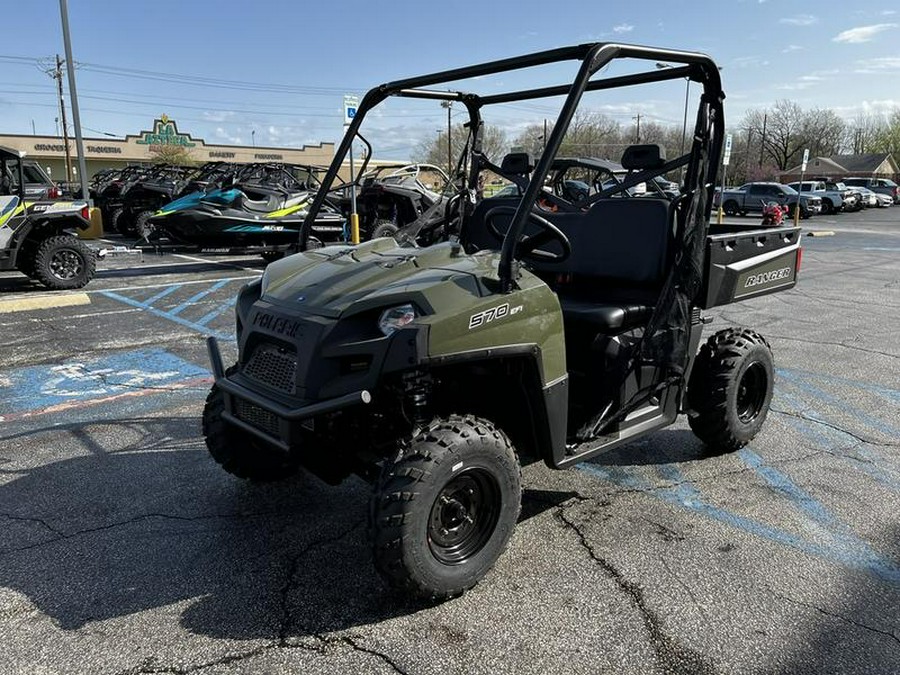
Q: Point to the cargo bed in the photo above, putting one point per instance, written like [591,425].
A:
[742,264]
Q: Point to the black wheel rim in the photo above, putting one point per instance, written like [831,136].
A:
[66,264]
[751,392]
[464,516]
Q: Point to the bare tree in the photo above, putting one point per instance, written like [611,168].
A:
[434,150]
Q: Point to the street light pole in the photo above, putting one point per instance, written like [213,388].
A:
[448,105]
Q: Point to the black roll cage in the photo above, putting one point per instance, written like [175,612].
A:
[705,151]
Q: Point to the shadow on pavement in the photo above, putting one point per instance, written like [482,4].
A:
[857,632]
[123,528]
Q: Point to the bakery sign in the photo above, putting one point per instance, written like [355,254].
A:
[164,133]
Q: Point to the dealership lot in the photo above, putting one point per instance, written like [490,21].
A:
[125,549]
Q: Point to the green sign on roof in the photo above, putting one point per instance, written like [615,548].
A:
[165,133]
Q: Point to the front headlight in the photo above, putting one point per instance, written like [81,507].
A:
[396,318]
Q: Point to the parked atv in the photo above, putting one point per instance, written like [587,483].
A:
[106,191]
[143,197]
[36,237]
[543,324]
[392,196]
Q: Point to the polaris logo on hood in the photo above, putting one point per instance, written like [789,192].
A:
[767,277]
[277,324]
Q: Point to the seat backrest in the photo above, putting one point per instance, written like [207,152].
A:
[625,240]
[618,241]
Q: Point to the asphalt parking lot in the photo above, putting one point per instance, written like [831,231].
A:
[125,549]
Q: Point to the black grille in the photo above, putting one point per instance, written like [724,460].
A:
[274,366]
[258,417]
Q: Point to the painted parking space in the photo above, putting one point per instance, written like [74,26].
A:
[80,383]
[806,401]
[205,307]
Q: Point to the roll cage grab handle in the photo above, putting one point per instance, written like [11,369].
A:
[696,66]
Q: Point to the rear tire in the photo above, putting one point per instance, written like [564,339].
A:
[444,509]
[239,452]
[731,389]
[730,208]
[384,228]
[63,262]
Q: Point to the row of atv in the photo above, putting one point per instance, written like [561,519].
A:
[260,205]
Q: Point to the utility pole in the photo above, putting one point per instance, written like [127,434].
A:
[56,74]
[73,96]
[638,118]
[762,144]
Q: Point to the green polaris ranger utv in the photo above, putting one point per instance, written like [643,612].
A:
[36,235]
[557,324]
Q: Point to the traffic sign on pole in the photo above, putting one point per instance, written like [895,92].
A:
[351,103]
[805,160]
[727,157]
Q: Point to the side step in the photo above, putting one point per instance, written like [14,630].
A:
[589,449]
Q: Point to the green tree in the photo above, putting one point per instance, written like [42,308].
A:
[173,154]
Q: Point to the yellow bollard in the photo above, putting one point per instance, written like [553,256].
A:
[95,231]
[720,215]
[354,228]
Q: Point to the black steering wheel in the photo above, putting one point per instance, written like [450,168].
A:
[527,247]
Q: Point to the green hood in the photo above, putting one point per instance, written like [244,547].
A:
[342,280]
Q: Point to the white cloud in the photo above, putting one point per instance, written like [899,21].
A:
[791,48]
[863,33]
[749,62]
[800,20]
[882,64]
[623,28]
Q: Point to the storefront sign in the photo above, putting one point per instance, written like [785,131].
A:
[165,133]
[104,149]
[218,154]
[268,156]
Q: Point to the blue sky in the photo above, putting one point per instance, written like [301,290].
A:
[303,56]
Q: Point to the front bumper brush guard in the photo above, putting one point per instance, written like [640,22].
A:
[284,413]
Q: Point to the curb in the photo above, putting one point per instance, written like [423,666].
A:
[26,304]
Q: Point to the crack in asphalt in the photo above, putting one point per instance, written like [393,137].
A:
[292,568]
[836,427]
[836,344]
[384,657]
[683,584]
[889,634]
[91,530]
[39,521]
[674,657]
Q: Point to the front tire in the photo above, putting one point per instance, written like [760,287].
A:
[444,509]
[239,452]
[144,229]
[63,262]
[731,389]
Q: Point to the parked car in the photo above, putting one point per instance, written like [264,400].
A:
[753,198]
[851,196]
[882,185]
[868,197]
[832,200]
